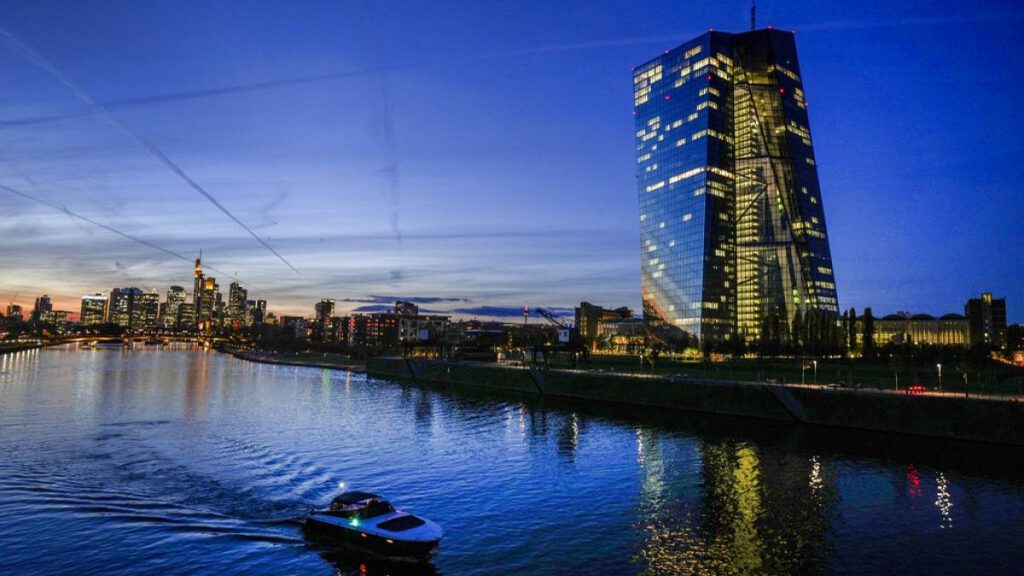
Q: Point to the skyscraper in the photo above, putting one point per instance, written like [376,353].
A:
[169,317]
[43,310]
[732,228]
[124,307]
[236,305]
[205,298]
[94,310]
[146,311]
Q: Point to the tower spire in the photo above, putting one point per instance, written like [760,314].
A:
[753,15]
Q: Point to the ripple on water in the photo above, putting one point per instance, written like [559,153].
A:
[183,462]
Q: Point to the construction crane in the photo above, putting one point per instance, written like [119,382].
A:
[568,338]
[551,317]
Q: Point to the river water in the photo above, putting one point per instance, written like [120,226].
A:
[185,462]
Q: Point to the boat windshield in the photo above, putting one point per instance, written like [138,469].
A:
[376,507]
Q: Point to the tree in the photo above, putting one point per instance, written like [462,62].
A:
[798,340]
[869,334]
[851,330]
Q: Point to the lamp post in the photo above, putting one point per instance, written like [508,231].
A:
[803,368]
[815,362]
[939,366]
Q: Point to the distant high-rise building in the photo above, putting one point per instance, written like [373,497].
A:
[235,314]
[169,317]
[14,313]
[205,298]
[146,311]
[731,221]
[986,320]
[43,310]
[123,307]
[94,310]
[322,326]
[187,316]
[404,308]
[259,312]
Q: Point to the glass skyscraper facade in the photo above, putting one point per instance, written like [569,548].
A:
[731,221]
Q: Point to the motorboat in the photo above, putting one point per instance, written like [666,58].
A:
[368,521]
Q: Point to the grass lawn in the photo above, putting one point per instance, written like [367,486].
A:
[992,378]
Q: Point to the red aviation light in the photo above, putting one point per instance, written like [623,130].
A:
[782,90]
[709,77]
[667,97]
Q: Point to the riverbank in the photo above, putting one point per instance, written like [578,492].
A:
[310,360]
[5,349]
[936,415]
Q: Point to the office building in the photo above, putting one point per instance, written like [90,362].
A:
[987,319]
[235,313]
[94,310]
[588,316]
[206,299]
[917,329]
[123,306]
[731,220]
[14,313]
[176,296]
[146,311]
[186,316]
[324,316]
[43,309]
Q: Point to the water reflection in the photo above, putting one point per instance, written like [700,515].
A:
[196,375]
[568,437]
[197,457]
[761,511]
[943,501]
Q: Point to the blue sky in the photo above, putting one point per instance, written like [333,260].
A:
[478,153]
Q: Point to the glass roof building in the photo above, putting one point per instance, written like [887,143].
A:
[731,221]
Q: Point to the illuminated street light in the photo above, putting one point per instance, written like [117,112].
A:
[939,366]
[815,362]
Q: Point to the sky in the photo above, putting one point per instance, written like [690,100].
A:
[476,156]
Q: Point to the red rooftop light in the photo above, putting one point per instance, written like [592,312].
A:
[782,90]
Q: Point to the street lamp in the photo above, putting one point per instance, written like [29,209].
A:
[815,362]
[939,366]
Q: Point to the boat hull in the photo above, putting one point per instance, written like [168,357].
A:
[393,546]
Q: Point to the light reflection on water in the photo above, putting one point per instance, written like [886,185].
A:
[180,462]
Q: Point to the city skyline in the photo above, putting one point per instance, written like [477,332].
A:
[516,187]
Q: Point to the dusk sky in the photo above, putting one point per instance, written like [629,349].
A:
[477,154]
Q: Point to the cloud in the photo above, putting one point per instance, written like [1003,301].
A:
[375,299]
[510,312]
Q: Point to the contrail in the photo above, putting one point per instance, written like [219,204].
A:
[66,210]
[543,49]
[211,93]
[42,63]
[390,153]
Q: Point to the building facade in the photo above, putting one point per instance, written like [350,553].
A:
[731,220]
[94,310]
[987,319]
[235,316]
[918,329]
[169,313]
[43,309]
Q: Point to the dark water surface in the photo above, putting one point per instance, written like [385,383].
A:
[184,462]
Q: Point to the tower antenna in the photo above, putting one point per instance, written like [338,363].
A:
[753,15]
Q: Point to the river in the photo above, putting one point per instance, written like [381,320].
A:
[178,461]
